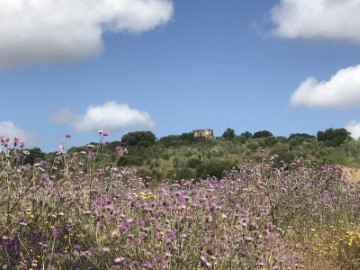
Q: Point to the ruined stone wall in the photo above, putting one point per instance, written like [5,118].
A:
[206,133]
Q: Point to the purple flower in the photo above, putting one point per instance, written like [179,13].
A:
[92,155]
[55,232]
[86,254]
[105,250]
[270,237]
[68,136]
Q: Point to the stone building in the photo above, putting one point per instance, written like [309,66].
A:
[206,133]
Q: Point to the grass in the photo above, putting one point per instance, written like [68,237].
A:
[74,215]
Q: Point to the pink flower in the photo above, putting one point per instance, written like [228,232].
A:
[120,150]
[105,250]
[118,260]
[106,133]
[55,232]
[92,155]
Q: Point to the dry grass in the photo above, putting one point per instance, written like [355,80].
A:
[353,174]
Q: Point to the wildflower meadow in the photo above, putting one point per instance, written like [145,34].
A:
[72,214]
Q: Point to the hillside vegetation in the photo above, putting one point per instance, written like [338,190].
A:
[177,157]
[235,202]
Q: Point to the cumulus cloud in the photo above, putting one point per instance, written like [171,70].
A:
[9,130]
[109,116]
[317,19]
[354,128]
[57,31]
[341,91]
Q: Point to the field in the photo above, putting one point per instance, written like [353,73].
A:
[73,215]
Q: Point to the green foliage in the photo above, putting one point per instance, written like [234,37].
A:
[252,145]
[174,154]
[229,133]
[303,136]
[139,138]
[35,155]
[185,139]
[270,141]
[247,135]
[194,163]
[185,173]
[262,134]
[298,139]
[333,137]
[284,155]
[170,141]
[217,167]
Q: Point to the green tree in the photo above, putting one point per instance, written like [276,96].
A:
[303,136]
[139,138]
[262,134]
[333,137]
[35,155]
[229,133]
[247,135]
[297,139]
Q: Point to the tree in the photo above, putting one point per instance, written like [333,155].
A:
[262,134]
[297,139]
[35,155]
[303,136]
[229,133]
[139,138]
[333,137]
[217,167]
[247,135]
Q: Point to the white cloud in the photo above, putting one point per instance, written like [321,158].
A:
[109,116]
[317,19]
[354,128]
[10,130]
[341,91]
[57,31]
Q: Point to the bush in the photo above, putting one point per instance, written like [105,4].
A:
[139,138]
[217,167]
[333,137]
[262,134]
[194,163]
[229,133]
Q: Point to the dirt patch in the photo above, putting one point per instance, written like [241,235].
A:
[353,174]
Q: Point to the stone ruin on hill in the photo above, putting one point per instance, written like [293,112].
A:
[206,133]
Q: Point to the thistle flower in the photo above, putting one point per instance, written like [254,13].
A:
[118,260]
[105,250]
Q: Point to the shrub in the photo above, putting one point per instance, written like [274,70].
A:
[139,138]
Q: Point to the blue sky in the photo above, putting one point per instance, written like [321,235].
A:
[77,66]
